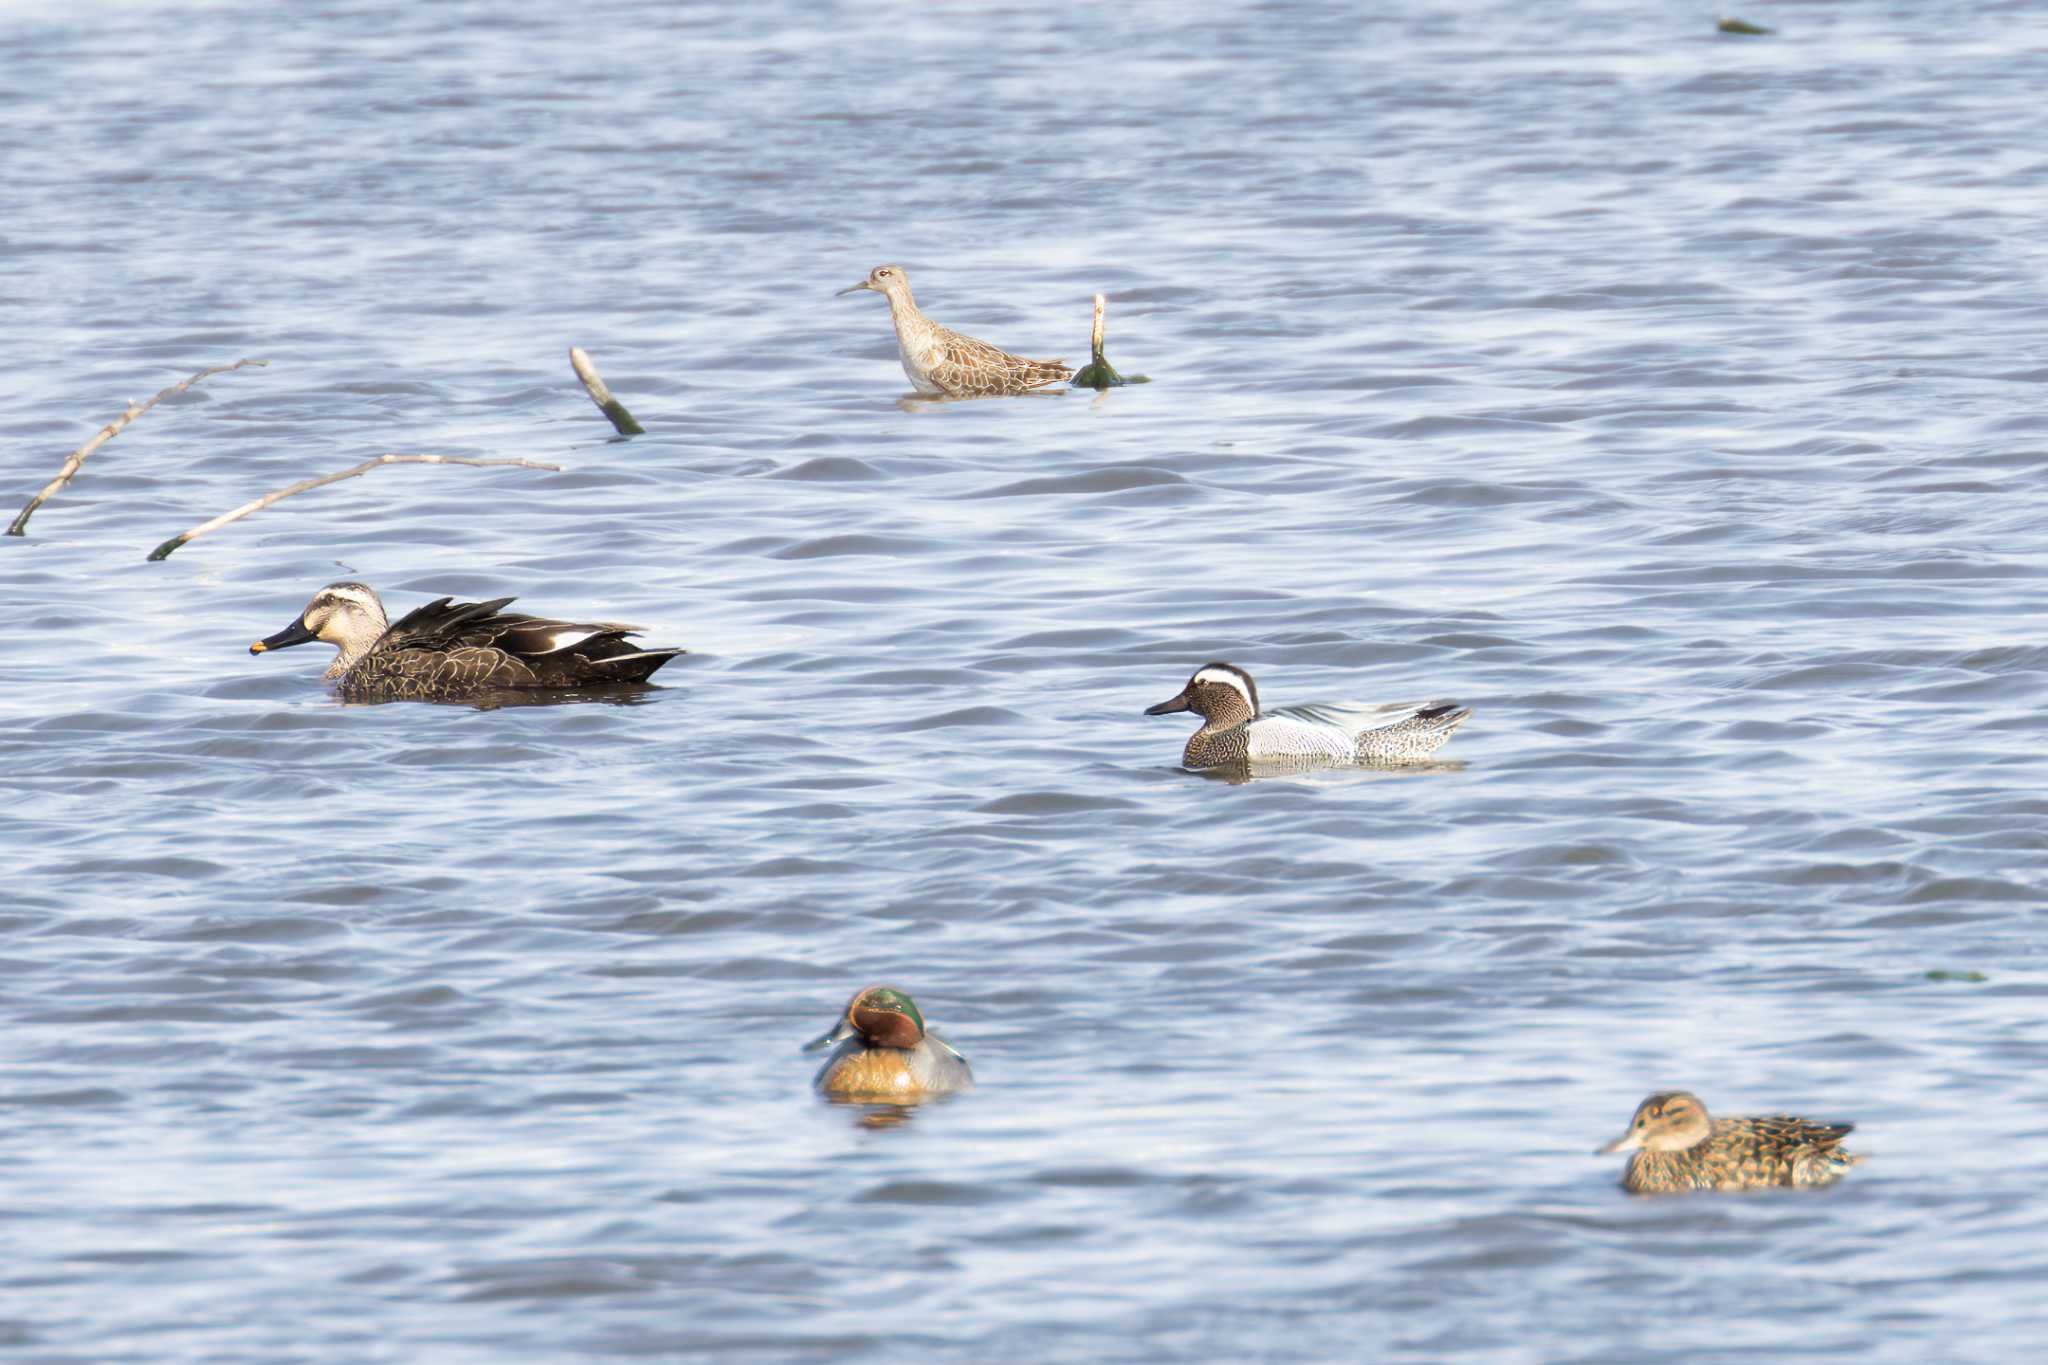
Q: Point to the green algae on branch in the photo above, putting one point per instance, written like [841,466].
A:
[1743,27]
[1941,975]
[1099,373]
[600,394]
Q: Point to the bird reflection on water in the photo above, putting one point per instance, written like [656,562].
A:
[1237,774]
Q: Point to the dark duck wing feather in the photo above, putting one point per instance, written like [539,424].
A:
[448,648]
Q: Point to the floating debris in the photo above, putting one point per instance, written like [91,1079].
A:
[1098,373]
[600,394]
[108,433]
[1743,27]
[1956,976]
[163,551]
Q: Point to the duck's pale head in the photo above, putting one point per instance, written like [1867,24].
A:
[1670,1121]
[889,280]
[881,1016]
[1220,693]
[348,616]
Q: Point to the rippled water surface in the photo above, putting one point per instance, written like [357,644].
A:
[1675,400]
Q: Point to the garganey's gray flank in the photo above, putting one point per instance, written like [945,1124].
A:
[1678,1146]
[941,362]
[1235,730]
[448,650]
[882,1050]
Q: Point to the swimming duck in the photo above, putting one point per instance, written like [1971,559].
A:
[941,362]
[449,650]
[884,1052]
[1235,730]
[1679,1147]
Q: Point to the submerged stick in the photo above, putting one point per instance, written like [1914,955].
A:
[1744,27]
[1098,373]
[206,528]
[594,385]
[108,433]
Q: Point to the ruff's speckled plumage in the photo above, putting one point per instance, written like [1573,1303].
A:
[1678,1147]
[1235,730]
[448,651]
[884,1052]
[941,362]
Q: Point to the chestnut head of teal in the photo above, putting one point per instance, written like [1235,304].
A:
[881,1016]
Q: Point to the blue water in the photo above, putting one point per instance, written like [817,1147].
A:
[1672,399]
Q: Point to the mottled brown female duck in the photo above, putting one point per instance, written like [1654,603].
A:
[883,1052]
[448,650]
[1236,731]
[941,362]
[1679,1147]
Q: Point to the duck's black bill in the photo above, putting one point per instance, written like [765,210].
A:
[838,1033]
[293,634]
[1167,708]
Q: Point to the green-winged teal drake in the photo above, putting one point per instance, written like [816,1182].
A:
[882,1051]
[1678,1146]
[1235,730]
[942,363]
[448,650]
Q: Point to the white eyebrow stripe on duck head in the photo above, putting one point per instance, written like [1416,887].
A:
[1229,675]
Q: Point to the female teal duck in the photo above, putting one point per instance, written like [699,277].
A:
[884,1052]
[1678,1147]
[446,650]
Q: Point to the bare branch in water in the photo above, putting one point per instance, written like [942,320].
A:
[108,433]
[1098,373]
[205,528]
[594,385]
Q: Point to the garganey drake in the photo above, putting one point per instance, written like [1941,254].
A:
[448,650]
[882,1051]
[1236,731]
[941,362]
[1679,1147]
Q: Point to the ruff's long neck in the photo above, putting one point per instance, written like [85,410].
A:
[902,307]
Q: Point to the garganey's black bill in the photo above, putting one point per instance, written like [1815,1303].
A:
[1169,706]
[852,289]
[1627,1142]
[838,1033]
[293,634]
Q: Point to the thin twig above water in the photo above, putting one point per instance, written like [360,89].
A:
[206,528]
[108,433]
